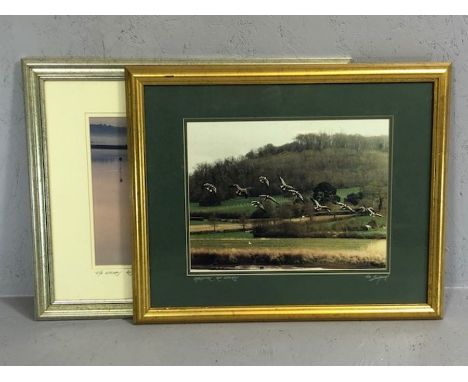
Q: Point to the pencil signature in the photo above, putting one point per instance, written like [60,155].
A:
[215,278]
[108,273]
[377,278]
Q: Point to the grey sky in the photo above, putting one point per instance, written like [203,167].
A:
[211,141]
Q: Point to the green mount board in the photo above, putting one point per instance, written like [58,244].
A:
[410,107]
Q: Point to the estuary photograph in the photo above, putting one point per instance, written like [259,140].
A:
[110,189]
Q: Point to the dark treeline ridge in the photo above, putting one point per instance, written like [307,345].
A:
[323,141]
[340,159]
[105,129]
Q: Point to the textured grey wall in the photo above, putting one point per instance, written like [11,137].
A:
[363,38]
[118,342]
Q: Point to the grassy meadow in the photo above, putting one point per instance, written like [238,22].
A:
[232,207]
[325,241]
[241,251]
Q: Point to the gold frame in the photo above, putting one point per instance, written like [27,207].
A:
[286,73]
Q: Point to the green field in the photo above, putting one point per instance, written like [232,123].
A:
[222,236]
[344,192]
[245,240]
[233,206]
[310,242]
[204,222]
[358,221]
[326,226]
[242,206]
[239,249]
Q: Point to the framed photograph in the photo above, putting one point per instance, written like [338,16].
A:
[287,191]
[80,190]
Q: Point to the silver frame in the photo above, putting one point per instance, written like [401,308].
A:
[35,72]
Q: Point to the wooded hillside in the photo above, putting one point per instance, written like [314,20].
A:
[340,159]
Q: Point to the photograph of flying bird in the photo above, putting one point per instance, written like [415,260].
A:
[372,212]
[344,206]
[297,196]
[210,188]
[363,210]
[318,206]
[241,191]
[264,180]
[284,186]
[268,197]
[258,204]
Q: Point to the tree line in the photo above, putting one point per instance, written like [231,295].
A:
[339,159]
[319,142]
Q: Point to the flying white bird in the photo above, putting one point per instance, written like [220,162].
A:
[344,206]
[210,188]
[318,206]
[372,212]
[284,186]
[241,191]
[264,180]
[297,196]
[268,197]
[258,204]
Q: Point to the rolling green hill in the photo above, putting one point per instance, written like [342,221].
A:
[348,162]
